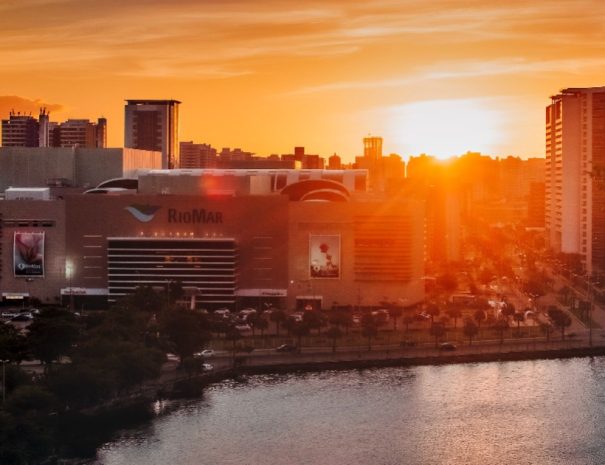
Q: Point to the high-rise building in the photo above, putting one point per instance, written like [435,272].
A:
[20,131]
[153,125]
[372,161]
[575,165]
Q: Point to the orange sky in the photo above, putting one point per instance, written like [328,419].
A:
[441,76]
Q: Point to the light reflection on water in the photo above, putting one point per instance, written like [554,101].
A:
[535,412]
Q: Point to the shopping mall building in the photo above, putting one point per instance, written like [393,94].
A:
[231,238]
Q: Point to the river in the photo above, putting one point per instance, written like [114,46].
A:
[534,412]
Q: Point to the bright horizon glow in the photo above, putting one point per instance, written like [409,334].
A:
[445,128]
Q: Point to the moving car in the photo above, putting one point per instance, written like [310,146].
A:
[447,346]
[204,353]
[286,348]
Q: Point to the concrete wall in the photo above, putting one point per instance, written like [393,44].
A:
[33,167]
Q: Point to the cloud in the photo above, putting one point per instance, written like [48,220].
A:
[224,38]
[463,70]
[23,105]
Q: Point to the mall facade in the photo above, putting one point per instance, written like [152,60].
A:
[312,243]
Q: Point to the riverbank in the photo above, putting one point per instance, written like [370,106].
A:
[228,368]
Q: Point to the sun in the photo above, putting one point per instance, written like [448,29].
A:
[445,127]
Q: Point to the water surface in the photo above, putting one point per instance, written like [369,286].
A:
[534,412]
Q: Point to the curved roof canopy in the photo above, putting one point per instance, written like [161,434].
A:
[317,189]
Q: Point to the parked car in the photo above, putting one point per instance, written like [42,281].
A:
[23,317]
[9,314]
[447,346]
[286,348]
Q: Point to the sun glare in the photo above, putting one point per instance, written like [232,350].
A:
[445,127]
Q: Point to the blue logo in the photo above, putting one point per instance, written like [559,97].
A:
[143,213]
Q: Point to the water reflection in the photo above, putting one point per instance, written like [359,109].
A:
[535,412]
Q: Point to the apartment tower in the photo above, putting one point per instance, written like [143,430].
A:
[575,168]
[153,125]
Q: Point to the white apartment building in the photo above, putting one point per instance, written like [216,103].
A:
[575,189]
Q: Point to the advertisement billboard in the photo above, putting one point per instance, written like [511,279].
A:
[28,254]
[324,256]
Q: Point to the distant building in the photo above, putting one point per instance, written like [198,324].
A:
[81,133]
[27,131]
[304,160]
[196,156]
[20,131]
[536,205]
[575,170]
[334,162]
[153,125]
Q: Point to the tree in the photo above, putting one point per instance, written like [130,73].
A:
[508,310]
[454,312]
[278,317]
[519,317]
[545,328]
[233,335]
[262,324]
[187,331]
[144,298]
[341,317]
[500,326]
[300,329]
[560,319]
[479,316]
[314,320]
[437,331]
[334,333]
[52,335]
[395,313]
[448,282]
[470,330]
[369,328]
[13,344]
[433,311]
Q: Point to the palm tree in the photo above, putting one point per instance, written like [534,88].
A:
[479,316]
[519,317]
[369,328]
[500,326]
[314,320]
[278,317]
[334,333]
[262,324]
[299,329]
[560,319]
[433,310]
[470,330]
[437,331]
[233,335]
[454,312]
[395,313]
[545,328]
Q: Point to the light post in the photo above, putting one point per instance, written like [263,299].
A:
[4,380]
[69,271]
[591,304]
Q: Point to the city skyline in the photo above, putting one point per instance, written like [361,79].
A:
[442,79]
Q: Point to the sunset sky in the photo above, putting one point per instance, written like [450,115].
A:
[440,77]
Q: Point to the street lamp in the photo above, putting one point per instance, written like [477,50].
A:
[69,271]
[4,380]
